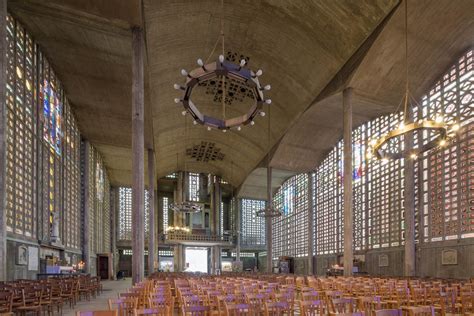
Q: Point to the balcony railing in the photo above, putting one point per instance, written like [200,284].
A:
[178,236]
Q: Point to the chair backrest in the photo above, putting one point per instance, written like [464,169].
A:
[387,312]
[151,311]
[311,308]
[6,299]
[196,310]
[98,313]
[123,305]
[367,304]
[421,311]
[277,308]
[341,305]
[238,309]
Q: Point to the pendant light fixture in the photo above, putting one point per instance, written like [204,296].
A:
[390,145]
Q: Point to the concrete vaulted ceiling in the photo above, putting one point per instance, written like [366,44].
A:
[300,45]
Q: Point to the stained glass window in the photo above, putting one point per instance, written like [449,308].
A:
[193,187]
[252,226]
[125,213]
[165,203]
[288,230]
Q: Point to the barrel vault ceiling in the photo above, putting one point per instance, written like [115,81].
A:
[302,46]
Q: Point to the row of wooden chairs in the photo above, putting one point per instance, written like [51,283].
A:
[37,296]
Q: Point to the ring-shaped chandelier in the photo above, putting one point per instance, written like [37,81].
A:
[440,128]
[268,211]
[380,148]
[185,207]
[223,70]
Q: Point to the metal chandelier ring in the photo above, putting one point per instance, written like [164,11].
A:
[441,127]
[231,71]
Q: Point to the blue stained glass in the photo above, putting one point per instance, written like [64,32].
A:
[52,117]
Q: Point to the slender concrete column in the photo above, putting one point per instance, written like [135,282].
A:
[216,199]
[216,259]
[138,152]
[310,223]
[237,228]
[3,147]
[151,216]
[268,221]
[409,197]
[113,230]
[348,222]
[86,254]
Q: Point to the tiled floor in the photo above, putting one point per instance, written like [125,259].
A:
[111,288]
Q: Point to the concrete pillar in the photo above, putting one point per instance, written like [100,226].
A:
[179,196]
[216,199]
[409,205]
[179,261]
[310,223]
[3,147]
[268,222]
[348,222]
[113,230]
[151,217]
[138,152]
[86,254]
[215,260]
[237,228]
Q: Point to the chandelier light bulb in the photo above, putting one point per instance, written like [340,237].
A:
[455,127]
[369,155]
[252,123]
[242,63]
[200,62]
[184,113]
[267,87]
[442,142]
[177,100]
[239,128]
[259,73]
[373,142]
[268,101]
[221,58]
[439,119]
[224,131]
[262,114]
[184,72]
[209,128]
[177,86]
[195,122]
[401,126]
[413,156]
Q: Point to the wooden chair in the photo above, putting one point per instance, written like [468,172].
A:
[387,312]
[277,308]
[151,311]
[6,300]
[238,310]
[257,302]
[31,301]
[367,304]
[98,313]
[162,303]
[124,306]
[311,308]
[341,306]
[196,310]
[421,311]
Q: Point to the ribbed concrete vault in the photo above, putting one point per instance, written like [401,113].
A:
[300,45]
